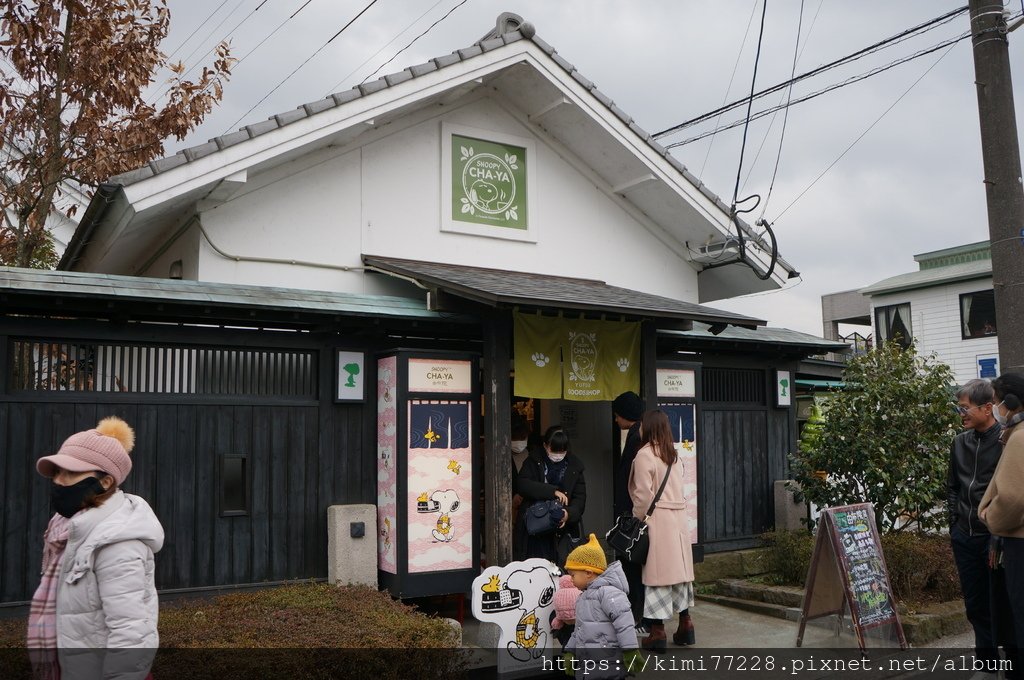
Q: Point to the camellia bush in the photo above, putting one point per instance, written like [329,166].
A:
[883,439]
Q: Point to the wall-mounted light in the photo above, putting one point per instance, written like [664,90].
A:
[174,272]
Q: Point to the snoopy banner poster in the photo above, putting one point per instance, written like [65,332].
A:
[440,491]
[519,599]
[575,359]
[681,418]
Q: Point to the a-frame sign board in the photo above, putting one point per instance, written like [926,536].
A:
[848,568]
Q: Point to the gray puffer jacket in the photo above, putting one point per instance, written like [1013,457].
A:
[604,625]
[107,605]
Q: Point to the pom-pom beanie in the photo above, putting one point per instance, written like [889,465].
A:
[103,449]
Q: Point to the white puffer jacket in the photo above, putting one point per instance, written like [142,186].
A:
[106,597]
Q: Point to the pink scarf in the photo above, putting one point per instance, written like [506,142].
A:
[42,618]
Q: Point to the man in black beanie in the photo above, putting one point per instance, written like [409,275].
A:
[628,410]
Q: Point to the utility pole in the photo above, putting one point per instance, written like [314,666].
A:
[1004,192]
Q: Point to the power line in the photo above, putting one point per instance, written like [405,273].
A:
[210,51]
[771,123]
[869,128]
[271,34]
[746,126]
[728,88]
[900,37]
[196,30]
[212,31]
[383,47]
[844,83]
[429,28]
[785,114]
[307,60]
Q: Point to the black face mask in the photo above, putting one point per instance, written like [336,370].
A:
[67,500]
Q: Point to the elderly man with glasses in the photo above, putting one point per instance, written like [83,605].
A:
[973,458]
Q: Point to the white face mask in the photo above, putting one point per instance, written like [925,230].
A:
[557,457]
[518,445]
[1000,418]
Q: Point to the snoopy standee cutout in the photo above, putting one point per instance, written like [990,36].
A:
[519,598]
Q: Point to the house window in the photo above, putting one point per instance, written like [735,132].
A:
[893,323]
[234,480]
[978,314]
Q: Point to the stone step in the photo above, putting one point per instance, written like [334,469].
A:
[777,611]
[786,596]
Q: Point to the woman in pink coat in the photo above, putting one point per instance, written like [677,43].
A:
[668,572]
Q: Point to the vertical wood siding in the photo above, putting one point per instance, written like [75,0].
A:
[301,458]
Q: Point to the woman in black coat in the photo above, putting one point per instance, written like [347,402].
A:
[554,474]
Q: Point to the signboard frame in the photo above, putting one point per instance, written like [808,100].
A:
[405,582]
[830,584]
[671,398]
[448,191]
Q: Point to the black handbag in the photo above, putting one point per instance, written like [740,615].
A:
[628,536]
[566,541]
[543,517]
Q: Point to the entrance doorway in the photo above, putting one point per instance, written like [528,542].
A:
[591,433]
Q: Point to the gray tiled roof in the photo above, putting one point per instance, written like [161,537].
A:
[494,286]
[769,335]
[136,288]
[926,278]
[489,44]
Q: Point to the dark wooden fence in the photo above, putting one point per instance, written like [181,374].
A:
[240,448]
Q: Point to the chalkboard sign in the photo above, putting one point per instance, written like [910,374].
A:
[848,568]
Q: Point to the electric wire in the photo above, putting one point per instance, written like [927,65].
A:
[271,34]
[212,31]
[866,131]
[746,126]
[728,88]
[413,41]
[383,47]
[771,124]
[859,54]
[306,61]
[210,51]
[785,117]
[849,81]
[196,30]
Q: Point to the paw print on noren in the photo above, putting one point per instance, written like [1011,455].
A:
[540,359]
[623,364]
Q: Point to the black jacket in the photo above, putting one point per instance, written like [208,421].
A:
[531,486]
[623,504]
[972,460]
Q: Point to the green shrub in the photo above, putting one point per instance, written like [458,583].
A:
[355,631]
[789,555]
[921,567]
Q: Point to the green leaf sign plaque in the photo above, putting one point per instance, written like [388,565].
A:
[488,183]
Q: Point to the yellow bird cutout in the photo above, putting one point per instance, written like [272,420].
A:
[431,436]
[454,466]
[688,445]
[422,498]
[493,585]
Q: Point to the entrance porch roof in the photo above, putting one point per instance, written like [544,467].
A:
[501,287]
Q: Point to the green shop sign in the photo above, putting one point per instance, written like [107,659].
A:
[488,183]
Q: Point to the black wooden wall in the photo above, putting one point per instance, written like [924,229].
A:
[303,453]
[744,441]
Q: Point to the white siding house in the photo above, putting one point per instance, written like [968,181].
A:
[947,306]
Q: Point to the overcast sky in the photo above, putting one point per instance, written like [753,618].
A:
[912,184]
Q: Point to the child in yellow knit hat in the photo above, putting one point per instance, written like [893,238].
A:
[604,642]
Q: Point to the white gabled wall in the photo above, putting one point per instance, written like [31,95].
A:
[382,196]
[935,319]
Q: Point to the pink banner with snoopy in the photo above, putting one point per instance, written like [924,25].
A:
[440,486]
[387,441]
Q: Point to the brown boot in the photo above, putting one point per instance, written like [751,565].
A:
[656,641]
[684,635]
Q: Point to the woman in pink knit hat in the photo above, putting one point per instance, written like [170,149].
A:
[97,596]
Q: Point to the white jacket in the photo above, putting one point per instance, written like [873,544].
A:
[106,597]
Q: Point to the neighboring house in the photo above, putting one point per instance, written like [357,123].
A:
[947,306]
[434,211]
